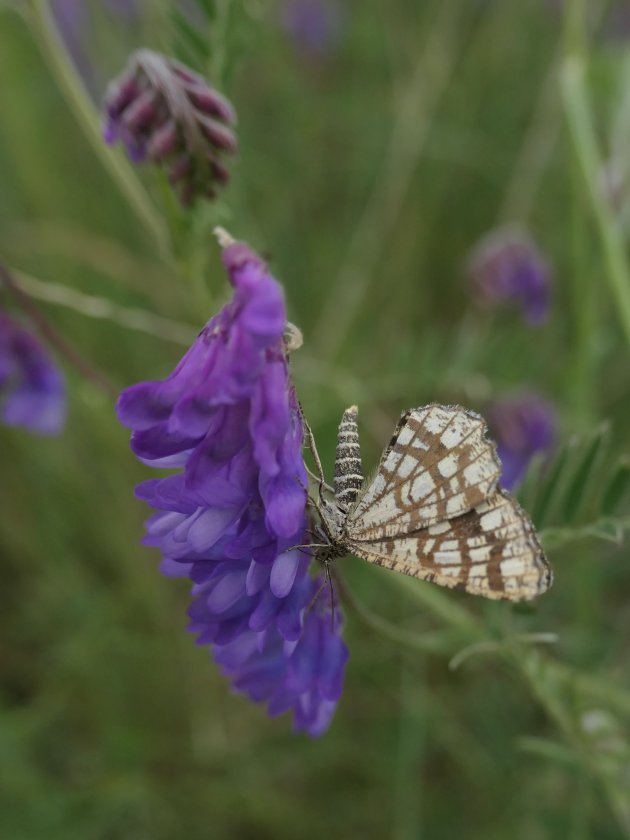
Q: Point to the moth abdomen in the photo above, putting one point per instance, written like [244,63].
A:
[348,468]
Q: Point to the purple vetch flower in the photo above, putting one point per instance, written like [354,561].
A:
[507,267]
[166,113]
[32,388]
[314,25]
[304,675]
[523,425]
[228,420]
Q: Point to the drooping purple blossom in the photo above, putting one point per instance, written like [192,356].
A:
[304,675]
[313,25]
[32,388]
[506,266]
[523,425]
[164,112]
[231,517]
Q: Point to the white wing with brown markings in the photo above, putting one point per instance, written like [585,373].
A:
[438,465]
[492,551]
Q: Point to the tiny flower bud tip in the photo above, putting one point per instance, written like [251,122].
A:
[223,237]
[293,338]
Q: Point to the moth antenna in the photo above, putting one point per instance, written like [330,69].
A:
[317,478]
[313,450]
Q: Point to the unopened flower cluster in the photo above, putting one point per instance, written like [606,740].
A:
[230,518]
[166,113]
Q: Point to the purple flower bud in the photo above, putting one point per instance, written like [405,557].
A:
[507,267]
[522,425]
[227,418]
[163,142]
[164,112]
[32,388]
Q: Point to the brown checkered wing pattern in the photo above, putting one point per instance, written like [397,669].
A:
[492,551]
[438,465]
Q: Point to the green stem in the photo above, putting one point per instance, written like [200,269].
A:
[425,643]
[589,161]
[439,603]
[56,56]
[219,31]
[584,302]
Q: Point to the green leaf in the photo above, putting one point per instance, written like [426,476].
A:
[583,483]
[550,480]
[549,750]
[607,529]
[617,487]
[209,7]
[189,38]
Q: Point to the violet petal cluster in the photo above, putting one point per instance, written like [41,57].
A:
[230,518]
[166,113]
[523,425]
[506,266]
[32,388]
[304,675]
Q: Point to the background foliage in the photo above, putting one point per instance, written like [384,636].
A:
[366,173]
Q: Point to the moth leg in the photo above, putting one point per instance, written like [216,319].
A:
[306,545]
[332,595]
[316,596]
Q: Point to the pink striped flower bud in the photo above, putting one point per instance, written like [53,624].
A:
[166,113]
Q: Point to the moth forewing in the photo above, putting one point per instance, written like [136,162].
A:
[438,465]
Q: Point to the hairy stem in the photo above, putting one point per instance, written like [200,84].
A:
[582,131]
[45,31]
[53,336]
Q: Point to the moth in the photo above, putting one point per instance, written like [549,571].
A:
[433,508]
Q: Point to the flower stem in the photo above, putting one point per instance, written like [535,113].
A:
[93,306]
[53,336]
[581,129]
[52,48]
[439,603]
[426,642]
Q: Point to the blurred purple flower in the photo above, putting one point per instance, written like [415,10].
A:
[507,266]
[523,425]
[164,112]
[313,25]
[228,418]
[32,388]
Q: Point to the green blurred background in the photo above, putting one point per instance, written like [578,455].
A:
[367,171]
